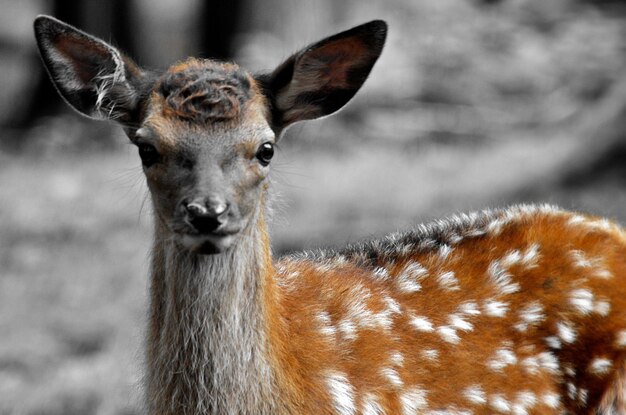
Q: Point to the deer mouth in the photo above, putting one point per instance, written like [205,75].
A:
[209,243]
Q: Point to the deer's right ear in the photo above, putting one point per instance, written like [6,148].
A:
[91,75]
[323,77]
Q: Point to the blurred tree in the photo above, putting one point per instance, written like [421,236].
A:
[604,128]
[219,24]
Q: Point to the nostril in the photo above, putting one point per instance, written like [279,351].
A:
[206,215]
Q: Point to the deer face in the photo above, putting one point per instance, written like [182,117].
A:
[205,130]
[206,145]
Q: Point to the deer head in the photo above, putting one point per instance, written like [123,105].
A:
[205,129]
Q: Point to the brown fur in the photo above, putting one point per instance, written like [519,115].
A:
[204,91]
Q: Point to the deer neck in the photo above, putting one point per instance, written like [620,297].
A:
[207,341]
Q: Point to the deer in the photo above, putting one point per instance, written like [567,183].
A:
[518,310]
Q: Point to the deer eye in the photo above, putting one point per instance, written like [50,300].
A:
[149,155]
[265,153]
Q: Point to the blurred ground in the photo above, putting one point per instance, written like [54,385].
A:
[469,107]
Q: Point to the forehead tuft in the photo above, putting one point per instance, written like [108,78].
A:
[202,90]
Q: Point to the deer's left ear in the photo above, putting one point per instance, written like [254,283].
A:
[322,78]
[91,75]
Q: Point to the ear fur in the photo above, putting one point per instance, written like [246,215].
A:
[323,77]
[91,75]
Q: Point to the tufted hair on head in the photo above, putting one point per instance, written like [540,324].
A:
[205,90]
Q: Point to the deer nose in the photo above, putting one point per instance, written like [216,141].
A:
[206,214]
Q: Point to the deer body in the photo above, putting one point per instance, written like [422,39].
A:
[517,311]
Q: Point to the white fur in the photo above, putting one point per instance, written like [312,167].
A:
[475,394]
[566,332]
[495,308]
[371,406]
[600,366]
[421,323]
[448,334]
[502,278]
[341,392]
[413,400]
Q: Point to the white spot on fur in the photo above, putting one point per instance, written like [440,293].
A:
[448,281]
[530,316]
[495,226]
[371,406]
[572,391]
[495,308]
[475,394]
[602,273]
[531,256]
[569,370]
[460,323]
[455,238]
[549,362]
[502,358]
[421,323]
[409,279]
[359,315]
[599,224]
[531,365]
[392,376]
[553,342]
[392,305]
[576,220]
[397,359]
[342,393]
[499,403]
[580,259]
[381,273]
[583,394]
[469,308]
[544,360]
[511,258]
[582,300]
[602,307]
[413,400]
[501,278]
[348,329]
[326,327]
[620,339]
[551,400]
[384,318]
[431,354]
[566,332]
[448,334]
[523,401]
[445,251]
[600,366]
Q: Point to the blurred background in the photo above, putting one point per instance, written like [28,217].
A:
[473,104]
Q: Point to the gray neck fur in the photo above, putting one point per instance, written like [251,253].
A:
[207,337]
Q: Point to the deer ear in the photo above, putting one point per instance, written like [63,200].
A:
[323,77]
[92,76]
